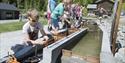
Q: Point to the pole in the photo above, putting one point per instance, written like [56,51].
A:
[116,26]
[113,21]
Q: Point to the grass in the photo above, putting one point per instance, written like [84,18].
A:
[43,21]
[14,26]
[123,6]
[7,27]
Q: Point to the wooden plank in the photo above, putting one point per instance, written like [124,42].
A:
[113,20]
[116,26]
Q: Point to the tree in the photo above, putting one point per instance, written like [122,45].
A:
[83,2]
[40,5]
[5,1]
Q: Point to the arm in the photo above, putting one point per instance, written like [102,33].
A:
[43,33]
[40,41]
[43,40]
[26,37]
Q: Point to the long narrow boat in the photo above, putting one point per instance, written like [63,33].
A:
[35,54]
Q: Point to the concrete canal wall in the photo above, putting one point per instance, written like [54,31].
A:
[106,55]
[51,52]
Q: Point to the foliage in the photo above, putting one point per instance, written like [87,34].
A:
[85,12]
[40,5]
[83,2]
[13,26]
[123,6]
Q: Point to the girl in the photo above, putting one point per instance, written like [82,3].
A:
[58,13]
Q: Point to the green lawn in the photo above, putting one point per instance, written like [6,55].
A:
[13,26]
[6,27]
[123,6]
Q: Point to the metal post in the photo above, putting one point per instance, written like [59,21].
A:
[116,26]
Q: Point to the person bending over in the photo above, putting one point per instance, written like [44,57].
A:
[32,28]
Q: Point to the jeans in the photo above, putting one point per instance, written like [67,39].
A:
[55,23]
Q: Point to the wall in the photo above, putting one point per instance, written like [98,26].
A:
[6,14]
[51,52]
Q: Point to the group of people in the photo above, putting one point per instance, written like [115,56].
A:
[33,26]
[66,13]
[70,16]
[55,15]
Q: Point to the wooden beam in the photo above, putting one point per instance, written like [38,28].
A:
[116,26]
[113,19]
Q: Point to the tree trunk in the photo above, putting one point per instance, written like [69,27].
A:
[5,1]
[26,5]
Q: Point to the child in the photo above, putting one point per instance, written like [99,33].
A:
[58,13]
[50,7]
[32,27]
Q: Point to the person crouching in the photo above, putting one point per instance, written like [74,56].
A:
[32,28]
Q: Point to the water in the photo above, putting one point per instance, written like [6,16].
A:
[90,44]
[88,48]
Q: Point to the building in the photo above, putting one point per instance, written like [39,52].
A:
[8,11]
[91,9]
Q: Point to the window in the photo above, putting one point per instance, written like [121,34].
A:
[9,14]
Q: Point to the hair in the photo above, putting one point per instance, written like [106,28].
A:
[67,1]
[33,13]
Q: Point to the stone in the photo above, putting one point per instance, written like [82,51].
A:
[120,56]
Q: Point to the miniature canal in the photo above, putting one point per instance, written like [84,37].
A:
[88,48]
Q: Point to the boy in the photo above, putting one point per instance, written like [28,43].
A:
[32,27]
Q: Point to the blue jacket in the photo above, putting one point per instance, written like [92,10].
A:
[58,11]
[52,5]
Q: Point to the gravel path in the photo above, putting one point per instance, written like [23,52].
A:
[9,39]
[8,21]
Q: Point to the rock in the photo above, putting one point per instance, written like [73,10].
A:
[120,33]
[120,56]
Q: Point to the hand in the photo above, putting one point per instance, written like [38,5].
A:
[46,38]
[61,17]
[30,43]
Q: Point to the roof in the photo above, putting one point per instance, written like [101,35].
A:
[5,6]
[101,1]
[92,6]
